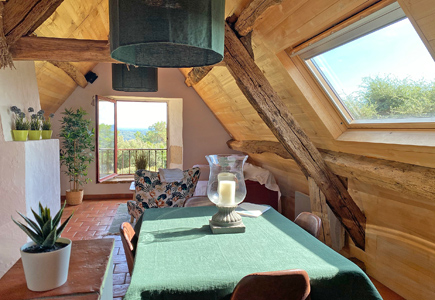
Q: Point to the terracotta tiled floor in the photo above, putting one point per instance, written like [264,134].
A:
[92,220]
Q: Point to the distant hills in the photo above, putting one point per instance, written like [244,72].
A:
[128,133]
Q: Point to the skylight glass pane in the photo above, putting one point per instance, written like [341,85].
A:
[387,75]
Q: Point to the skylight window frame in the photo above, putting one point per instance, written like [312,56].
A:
[376,21]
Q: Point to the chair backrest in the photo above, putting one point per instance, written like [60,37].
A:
[129,242]
[152,193]
[310,222]
[276,285]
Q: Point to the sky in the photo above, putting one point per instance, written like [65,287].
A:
[133,114]
[396,49]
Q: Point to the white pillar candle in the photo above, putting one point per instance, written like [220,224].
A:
[227,192]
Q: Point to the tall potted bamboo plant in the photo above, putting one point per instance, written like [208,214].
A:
[77,151]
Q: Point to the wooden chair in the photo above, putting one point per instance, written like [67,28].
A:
[276,285]
[129,242]
[310,222]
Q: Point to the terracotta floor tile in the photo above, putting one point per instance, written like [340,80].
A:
[119,278]
[121,268]
[120,290]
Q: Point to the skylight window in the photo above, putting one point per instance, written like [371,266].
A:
[378,70]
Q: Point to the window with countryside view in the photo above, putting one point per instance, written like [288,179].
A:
[126,129]
[380,71]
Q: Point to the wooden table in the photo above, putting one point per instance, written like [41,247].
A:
[178,258]
[90,275]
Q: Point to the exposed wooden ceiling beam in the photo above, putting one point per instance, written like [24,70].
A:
[44,17]
[410,180]
[55,49]
[245,24]
[250,14]
[72,72]
[277,117]
[22,16]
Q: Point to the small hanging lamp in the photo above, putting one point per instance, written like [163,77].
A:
[167,33]
[134,79]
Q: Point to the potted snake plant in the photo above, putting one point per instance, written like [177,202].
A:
[46,258]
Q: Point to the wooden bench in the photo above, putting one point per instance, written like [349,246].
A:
[90,275]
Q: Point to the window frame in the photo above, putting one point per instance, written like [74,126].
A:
[371,23]
[115,101]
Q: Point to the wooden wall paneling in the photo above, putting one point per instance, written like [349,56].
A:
[311,19]
[398,251]
[421,13]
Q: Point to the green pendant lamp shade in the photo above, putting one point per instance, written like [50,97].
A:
[167,33]
[134,79]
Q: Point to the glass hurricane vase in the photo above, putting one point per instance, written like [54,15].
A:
[226,188]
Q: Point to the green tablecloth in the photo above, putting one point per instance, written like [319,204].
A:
[179,258]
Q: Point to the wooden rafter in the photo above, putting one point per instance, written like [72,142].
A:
[277,117]
[244,24]
[22,16]
[410,180]
[55,49]
[72,72]
[250,14]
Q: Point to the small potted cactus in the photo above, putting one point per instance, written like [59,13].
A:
[46,259]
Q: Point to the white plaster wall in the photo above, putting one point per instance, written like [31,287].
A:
[202,133]
[42,175]
[29,171]
[17,87]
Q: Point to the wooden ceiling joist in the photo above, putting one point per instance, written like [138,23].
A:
[410,180]
[277,117]
[244,26]
[55,49]
[72,72]
[250,14]
[22,16]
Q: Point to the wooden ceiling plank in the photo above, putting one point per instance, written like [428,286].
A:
[245,22]
[276,115]
[72,72]
[70,50]
[39,10]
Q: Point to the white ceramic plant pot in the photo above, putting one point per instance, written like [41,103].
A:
[46,271]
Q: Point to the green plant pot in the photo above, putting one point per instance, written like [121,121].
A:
[35,135]
[20,135]
[46,134]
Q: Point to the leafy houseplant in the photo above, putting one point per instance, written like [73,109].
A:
[46,127]
[46,259]
[21,125]
[141,161]
[76,153]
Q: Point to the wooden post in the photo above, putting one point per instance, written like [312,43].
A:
[277,117]
[320,209]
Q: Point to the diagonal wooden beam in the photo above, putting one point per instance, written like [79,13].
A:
[250,14]
[72,72]
[411,180]
[277,117]
[55,49]
[21,16]
[45,16]
[245,24]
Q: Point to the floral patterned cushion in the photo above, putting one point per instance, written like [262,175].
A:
[152,193]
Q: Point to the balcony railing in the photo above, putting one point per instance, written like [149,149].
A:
[157,158]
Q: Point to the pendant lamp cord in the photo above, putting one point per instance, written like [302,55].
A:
[5,55]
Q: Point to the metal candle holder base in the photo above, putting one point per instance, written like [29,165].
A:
[226,220]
